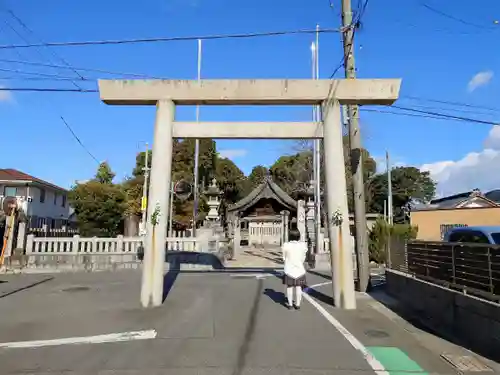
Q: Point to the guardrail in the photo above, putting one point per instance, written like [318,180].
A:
[96,245]
[472,268]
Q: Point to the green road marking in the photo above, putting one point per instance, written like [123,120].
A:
[395,361]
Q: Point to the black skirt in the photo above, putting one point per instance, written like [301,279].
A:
[290,281]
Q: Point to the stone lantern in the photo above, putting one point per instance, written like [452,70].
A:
[213,193]
[310,215]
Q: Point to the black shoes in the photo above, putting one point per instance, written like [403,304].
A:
[296,307]
[288,306]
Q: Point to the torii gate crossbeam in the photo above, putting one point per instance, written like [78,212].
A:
[166,94]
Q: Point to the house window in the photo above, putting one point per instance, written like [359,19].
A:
[10,191]
[42,195]
[63,204]
[55,199]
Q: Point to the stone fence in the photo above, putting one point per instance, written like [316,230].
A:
[472,321]
[48,254]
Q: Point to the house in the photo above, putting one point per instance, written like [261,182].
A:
[471,208]
[43,202]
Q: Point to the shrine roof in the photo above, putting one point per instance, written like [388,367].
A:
[267,189]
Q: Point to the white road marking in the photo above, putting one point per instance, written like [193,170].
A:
[99,339]
[251,275]
[372,361]
[316,285]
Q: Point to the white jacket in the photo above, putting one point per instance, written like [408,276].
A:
[294,256]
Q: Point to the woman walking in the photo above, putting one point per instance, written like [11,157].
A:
[294,278]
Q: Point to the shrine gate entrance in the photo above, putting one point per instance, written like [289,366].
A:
[329,94]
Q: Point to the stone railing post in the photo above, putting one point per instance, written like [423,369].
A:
[119,244]
[237,236]
[285,215]
[310,225]
[30,241]
[94,248]
[75,244]
[21,236]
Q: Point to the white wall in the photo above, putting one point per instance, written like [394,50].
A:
[48,208]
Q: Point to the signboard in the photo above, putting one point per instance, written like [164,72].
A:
[183,189]
[144,203]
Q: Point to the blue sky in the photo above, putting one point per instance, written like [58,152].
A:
[435,56]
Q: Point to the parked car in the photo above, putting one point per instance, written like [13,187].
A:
[483,234]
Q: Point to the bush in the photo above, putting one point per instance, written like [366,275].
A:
[380,235]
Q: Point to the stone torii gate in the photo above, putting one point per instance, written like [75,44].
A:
[330,94]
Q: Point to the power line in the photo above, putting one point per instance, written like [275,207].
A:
[458,104]
[79,141]
[11,12]
[428,114]
[445,115]
[40,74]
[172,39]
[451,17]
[459,109]
[417,112]
[34,63]
[24,39]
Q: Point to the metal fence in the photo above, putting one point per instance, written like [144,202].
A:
[52,232]
[471,268]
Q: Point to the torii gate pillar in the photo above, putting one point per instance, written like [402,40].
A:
[165,94]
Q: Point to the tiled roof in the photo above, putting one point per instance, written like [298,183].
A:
[454,201]
[268,188]
[10,174]
[493,195]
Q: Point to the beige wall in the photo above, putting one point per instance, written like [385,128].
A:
[429,222]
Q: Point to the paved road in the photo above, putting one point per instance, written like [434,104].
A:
[210,323]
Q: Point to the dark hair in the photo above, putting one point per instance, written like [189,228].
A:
[293,235]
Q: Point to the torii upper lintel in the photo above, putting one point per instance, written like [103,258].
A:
[250,91]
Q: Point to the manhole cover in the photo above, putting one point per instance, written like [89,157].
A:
[376,333]
[75,289]
[465,363]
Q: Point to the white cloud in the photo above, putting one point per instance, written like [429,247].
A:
[5,96]
[480,79]
[235,153]
[475,170]
[395,162]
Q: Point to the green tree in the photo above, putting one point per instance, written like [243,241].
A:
[231,180]
[293,172]
[182,169]
[257,175]
[104,174]
[99,208]
[409,185]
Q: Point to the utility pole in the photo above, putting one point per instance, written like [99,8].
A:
[390,212]
[196,151]
[317,152]
[355,153]
[144,201]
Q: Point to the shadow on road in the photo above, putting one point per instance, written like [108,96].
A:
[277,297]
[169,281]
[320,296]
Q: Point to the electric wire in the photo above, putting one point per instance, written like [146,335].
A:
[172,39]
[52,52]
[78,88]
[27,41]
[79,141]
[90,70]
[451,17]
